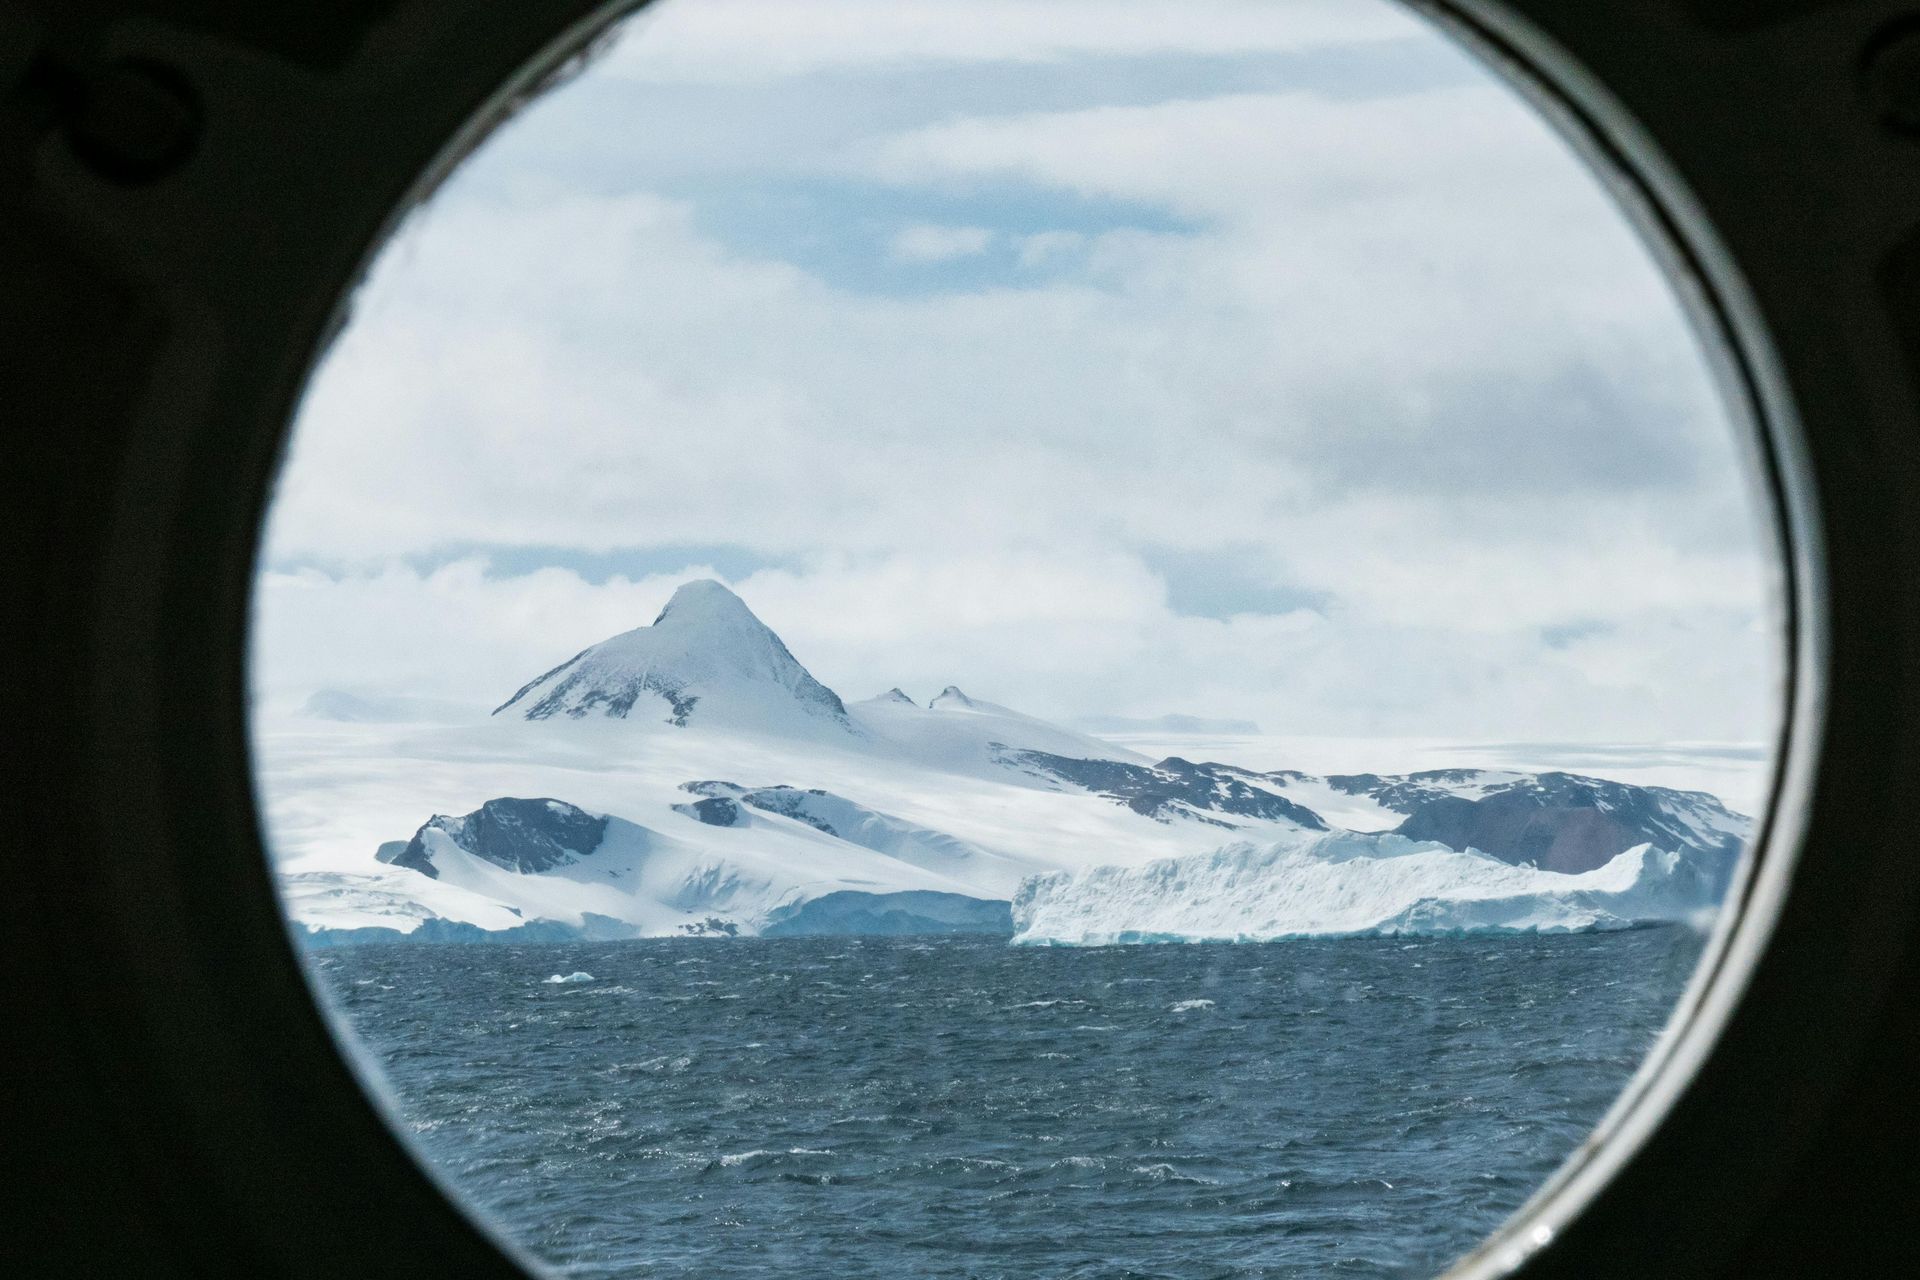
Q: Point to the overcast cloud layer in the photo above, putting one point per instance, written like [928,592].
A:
[1273,362]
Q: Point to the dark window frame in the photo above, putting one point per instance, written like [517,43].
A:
[178,1098]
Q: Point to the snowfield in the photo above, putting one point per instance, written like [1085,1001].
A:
[693,778]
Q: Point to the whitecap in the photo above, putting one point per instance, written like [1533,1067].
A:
[1188,1006]
[570,977]
[729,1162]
[1167,1173]
[733,1161]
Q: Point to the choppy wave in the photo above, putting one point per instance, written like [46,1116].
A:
[978,1109]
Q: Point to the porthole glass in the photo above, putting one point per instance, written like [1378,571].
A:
[1012,637]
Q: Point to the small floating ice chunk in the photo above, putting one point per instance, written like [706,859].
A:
[1188,1006]
[569,978]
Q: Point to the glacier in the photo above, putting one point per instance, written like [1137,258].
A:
[1351,883]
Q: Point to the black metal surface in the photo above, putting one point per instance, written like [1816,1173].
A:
[175,1104]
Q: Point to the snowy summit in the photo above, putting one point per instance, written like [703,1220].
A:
[706,659]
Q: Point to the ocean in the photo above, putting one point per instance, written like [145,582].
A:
[932,1107]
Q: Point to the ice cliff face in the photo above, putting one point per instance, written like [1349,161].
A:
[1351,883]
[705,660]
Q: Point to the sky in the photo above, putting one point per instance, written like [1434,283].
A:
[1263,359]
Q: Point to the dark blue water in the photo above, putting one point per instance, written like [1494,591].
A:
[907,1107]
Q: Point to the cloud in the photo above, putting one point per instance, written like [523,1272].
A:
[927,243]
[1360,268]
[1055,636]
[1395,358]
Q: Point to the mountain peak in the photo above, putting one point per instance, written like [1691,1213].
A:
[895,695]
[952,697]
[705,660]
[704,601]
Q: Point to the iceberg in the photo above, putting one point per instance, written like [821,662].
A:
[1350,883]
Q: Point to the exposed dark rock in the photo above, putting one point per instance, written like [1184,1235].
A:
[1405,793]
[714,787]
[1172,788]
[1519,828]
[579,695]
[1558,821]
[788,802]
[527,836]
[715,811]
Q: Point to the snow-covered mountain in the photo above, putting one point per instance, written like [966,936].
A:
[693,777]
[956,732]
[706,659]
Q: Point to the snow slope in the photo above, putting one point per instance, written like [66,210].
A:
[983,870]
[960,734]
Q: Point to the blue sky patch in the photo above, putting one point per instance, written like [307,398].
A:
[1565,635]
[842,231]
[1224,583]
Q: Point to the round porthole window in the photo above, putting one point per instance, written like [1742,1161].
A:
[1015,638]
